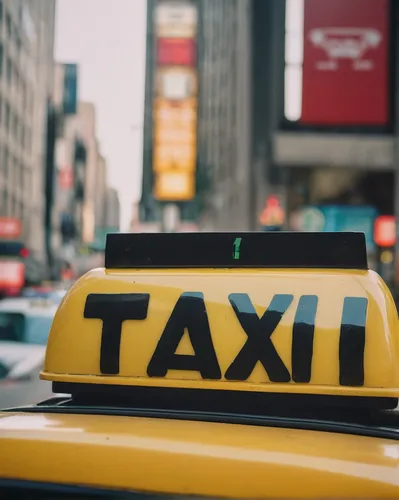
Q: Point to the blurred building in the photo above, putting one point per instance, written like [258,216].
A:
[210,55]
[101,193]
[87,124]
[107,211]
[112,212]
[66,169]
[26,83]
[224,128]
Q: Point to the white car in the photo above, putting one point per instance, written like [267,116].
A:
[24,328]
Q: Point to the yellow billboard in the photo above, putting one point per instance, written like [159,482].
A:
[176,186]
[175,136]
[180,113]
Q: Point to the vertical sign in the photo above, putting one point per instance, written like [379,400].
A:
[70,98]
[346,62]
[175,101]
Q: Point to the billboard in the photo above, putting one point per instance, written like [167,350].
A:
[175,101]
[346,62]
[176,51]
[175,19]
[10,228]
[175,136]
[176,84]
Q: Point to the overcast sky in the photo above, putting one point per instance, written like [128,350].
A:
[107,39]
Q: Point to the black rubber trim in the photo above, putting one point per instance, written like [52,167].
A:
[216,400]
[10,488]
[236,250]
[243,419]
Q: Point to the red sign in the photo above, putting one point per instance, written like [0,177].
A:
[176,52]
[385,231]
[12,274]
[345,66]
[10,228]
[66,178]
[272,214]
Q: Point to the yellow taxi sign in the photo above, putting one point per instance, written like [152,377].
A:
[286,329]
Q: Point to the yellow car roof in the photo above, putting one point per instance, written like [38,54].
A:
[194,459]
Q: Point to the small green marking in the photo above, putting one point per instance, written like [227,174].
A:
[236,248]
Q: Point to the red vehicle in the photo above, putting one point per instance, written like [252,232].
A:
[18,269]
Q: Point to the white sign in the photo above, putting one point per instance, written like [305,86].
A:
[176,19]
[177,84]
[345,43]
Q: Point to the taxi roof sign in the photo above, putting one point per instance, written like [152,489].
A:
[306,331]
[229,250]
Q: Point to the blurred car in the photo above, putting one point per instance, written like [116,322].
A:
[24,328]
[52,294]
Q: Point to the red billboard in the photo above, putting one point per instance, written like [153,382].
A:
[176,52]
[345,62]
[10,228]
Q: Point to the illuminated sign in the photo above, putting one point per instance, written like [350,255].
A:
[176,20]
[10,228]
[385,231]
[175,101]
[176,51]
[178,186]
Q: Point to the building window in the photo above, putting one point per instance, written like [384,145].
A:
[28,137]
[7,117]
[19,175]
[8,25]
[17,39]
[5,164]
[9,71]
[17,79]
[14,209]
[1,58]
[23,93]
[15,127]
[4,210]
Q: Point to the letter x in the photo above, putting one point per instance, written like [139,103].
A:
[258,346]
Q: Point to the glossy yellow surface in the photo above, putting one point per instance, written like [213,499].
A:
[73,350]
[171,456]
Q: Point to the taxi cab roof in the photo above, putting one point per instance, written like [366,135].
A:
[156,317]
[209,355]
